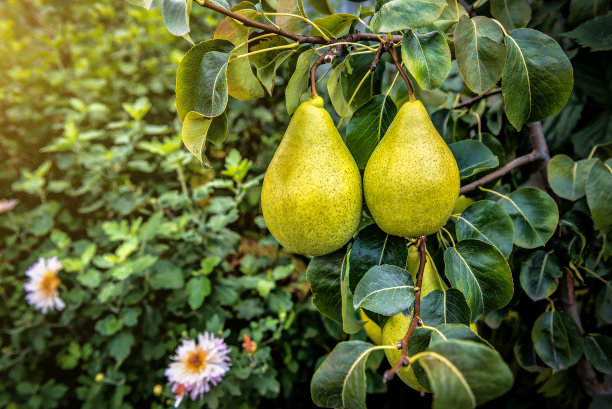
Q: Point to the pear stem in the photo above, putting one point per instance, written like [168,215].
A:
[416,313]
[390,47]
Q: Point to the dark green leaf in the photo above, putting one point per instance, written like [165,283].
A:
[322,6]
[599,195]
[512,14]
[201,84]
[539,274]
[480,55]
[444,332]
[367,126]
[298,83]
[427,57]
[538,78]
[120,346]
[197,289]
[524,353]
[445,307]
[197,129]
[385,290]
[582,10]
[534,215]
[481,273]
[396,15]
[333,25]
[487,221]
[324,274]
[598,351]
[568,178]
[597,132]
[374,247]
[175,14]
[595,34]
[557,340]
[472,157]
[267,73]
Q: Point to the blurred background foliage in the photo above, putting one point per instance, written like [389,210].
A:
[156,247]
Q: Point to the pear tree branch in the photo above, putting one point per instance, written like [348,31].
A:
[390,47]
[470,102]
[416,314]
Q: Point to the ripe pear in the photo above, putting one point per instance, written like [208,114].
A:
[371,328]
[312,196]
[411,181]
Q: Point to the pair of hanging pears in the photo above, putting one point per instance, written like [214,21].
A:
[312,192]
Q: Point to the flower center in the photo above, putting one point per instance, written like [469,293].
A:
[49,283]
[196,360]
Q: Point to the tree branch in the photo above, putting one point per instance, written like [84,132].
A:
[326,58]
[377,56]
[468,7]
[390,47]
[474,100]
[416,314]
[539,153]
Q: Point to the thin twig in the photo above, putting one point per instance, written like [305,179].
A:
[325,58]
[390,48]
[539,153]
[416,314]
[474,100]
[377,56]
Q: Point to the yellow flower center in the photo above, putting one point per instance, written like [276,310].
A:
[196,360]
[49,283]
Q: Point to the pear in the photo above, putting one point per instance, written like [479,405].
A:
[411,181]
[312,196]
[371,328]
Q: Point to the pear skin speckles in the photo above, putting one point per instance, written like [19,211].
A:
[312,196]
[411,181]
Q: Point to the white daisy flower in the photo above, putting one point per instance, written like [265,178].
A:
[42,286]
[197,365]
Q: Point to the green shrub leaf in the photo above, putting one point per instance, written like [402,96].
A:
[385,290]
[568,178]
[599,195]
[472,157]
[512,14]
[394,15]
[539,274]
[598,351]
[557,340]
[595,34]
[487,221]
[445,307]
[427,57]
[324,274]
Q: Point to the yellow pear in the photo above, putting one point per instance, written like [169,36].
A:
[311,196]
[371,328]
[411,181]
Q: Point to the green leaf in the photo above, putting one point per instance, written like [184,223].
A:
[295,25]
[385,290]
[538,78]
[197,129]
[166,275]
[445,332]
[481,273]
[557,340]
[201,84]
[599,195]
[175,14]
[324,274]
[322,6]
[120,346]
[298,83]
[197,289]
[333,24]
[539,274]
[340,381]
[486,220]
[445,307]
[427,57]
[146,4]
[595,34]
[267,73]
[350,324]
[472,157]
[367,126]
[464,374]
[480,55]
[512,14]
[568,178]
[524,353]
[397,15]
[241,82]
[582,10]
[374,247]
[342,84]
[598,351]
[534,215]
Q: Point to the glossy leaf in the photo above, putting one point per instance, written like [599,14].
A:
[472,157]
[198,129]
[445,332]
[538,77]
[557,340]
[385,290]
[595,34]
[481,273]
[201,84]
[427,57]
[599,195]
[486,220]
[175,14]
[324,274]
[445,307]
[374,247]
[298,83]
[479,52]
[568,178]
[534,215]
[512,14]
[350,324]
[539,274]
[241,82]
[464,374]
[396,15]
[524,353]
[267,73]
[333,25]
[598,351]
[367,126]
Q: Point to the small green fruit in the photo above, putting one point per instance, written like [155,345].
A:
[311,196]
[411,181]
